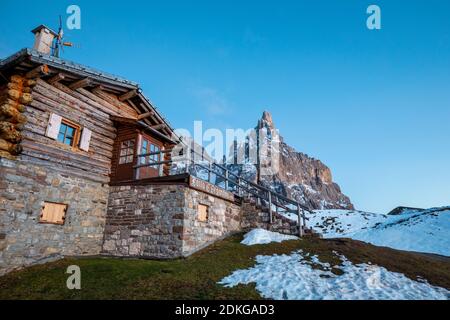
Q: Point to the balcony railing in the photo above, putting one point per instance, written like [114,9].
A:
[195,164]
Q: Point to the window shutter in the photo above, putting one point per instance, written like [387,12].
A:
[53,213]
[54,124]
[85,139]
[202,211]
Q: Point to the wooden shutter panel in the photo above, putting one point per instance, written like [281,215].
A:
[85,139]
[202,212]
[53,213]
[53,126]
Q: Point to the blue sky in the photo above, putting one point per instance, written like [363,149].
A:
[372,105]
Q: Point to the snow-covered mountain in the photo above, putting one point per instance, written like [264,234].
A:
[421,230]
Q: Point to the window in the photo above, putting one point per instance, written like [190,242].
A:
[68,133]
[203,212]
[126,151]
[148,147]
[53,213]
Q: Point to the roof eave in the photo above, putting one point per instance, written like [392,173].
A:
[82,71]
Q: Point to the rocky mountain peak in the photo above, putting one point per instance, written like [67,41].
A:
[266,120]
[298,176]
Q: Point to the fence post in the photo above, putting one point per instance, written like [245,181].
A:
[226,179]
[270,207]
[300,226]
[209,171]
[239,186]
[304,218]
[161,169]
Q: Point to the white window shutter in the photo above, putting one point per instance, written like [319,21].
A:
[53,126]
[85,139]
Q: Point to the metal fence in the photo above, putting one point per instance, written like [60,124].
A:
[222,177]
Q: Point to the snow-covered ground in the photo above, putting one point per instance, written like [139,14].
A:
[412,230]
[426,231]
[261,236]
[299,276]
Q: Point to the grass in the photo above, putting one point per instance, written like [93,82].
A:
[196,277]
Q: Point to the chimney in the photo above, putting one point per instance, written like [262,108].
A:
[44,37]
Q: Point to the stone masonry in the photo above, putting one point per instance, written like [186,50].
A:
[23,240]
[254,216]
[147,221]
[224,219]
[160,221]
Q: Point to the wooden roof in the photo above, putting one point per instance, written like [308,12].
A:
[154,130]
[74,75]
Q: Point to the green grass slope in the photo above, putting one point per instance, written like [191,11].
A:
[196,277]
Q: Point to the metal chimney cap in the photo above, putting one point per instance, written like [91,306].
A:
[39,28]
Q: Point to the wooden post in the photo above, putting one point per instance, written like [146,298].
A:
[145,115]
[300,226]
[83,83]
[239,187]
[161,165]
[128,95]
[187,161]
[226,179]
[209,171]
[38,71]
[270,206]
[56,78]
[304,219]
[158,126]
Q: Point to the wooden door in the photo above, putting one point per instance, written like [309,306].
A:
[125,158]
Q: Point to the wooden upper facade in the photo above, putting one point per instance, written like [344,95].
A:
[85,122]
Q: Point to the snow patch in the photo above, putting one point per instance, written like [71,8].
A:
[300,277]
[261,236]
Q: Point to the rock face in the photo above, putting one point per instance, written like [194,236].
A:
[298,176]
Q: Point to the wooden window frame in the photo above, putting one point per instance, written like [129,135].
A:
[133,154]
[206,219]
[76,136]
[54,222]
[150,143]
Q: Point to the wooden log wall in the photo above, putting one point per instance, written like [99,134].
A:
[86,109]
[13,98]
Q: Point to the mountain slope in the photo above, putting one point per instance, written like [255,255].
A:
[424,231]
[412,229]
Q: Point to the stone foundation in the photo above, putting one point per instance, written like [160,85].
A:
[224,219]
[147,221]
[23,239]
[160,221]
